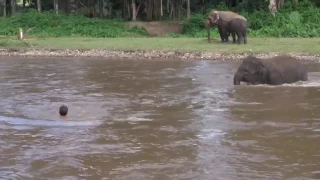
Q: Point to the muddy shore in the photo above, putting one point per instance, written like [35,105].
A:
[153,54]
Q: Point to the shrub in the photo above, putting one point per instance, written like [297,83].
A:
[301,20]
[293,20]
[52,25]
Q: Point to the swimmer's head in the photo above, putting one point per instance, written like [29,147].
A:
[63,111]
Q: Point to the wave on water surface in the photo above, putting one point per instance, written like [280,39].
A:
[296,84]
[304,84]
[210,133]
[50,123]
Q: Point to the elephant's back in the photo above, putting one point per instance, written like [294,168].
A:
[239,23]
[229,15]
[285,61]
[290,68]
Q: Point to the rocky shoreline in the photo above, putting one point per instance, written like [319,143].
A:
[145,54]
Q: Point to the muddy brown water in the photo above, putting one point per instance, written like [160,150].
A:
[133,119]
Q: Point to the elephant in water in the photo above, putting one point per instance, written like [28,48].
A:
[273,71]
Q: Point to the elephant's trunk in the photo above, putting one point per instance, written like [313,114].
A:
[237,78]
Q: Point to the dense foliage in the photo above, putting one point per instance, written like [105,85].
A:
[50,24]
[292,20]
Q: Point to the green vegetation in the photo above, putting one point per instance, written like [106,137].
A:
[49,24]
[256,45]
[299,19]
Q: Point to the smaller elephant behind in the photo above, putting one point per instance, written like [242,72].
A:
[238,27]
[223,29]
[273,71]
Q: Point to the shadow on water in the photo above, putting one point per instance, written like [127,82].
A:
[153,120]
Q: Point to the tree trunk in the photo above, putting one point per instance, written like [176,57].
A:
[168,6]
[72,6]
[134,14]
[273,7]
[24,3]
[179,14]
[129,11]
[13,7]
[109,7]
[109,11]
[67,6]
[176,10]
[77,6]
[204,6]
[280,3]
[188,9]
[126,11]
[39,5]
[171,11]
[123,9]
[156,10]
[161,9]
[101,8]
[5,8]
[149,7]
[56,4]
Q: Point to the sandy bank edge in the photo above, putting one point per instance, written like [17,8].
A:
[146,54]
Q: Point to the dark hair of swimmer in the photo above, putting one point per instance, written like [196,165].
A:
[63,110]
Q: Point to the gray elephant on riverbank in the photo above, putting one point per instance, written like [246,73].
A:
[238,27]
[224,17]
[273,71]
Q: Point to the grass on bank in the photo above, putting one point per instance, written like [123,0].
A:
[255,45]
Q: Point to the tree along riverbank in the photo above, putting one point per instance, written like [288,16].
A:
[160,48]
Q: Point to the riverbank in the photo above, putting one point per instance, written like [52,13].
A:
[160,48]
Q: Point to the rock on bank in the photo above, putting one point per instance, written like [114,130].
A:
[178,55]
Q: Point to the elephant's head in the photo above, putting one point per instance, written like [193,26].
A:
[208,24]
[251,71]
[213,16]
[216,17]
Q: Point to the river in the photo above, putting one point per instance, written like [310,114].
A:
[161,119]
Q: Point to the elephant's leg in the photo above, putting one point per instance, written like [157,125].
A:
[221,34]
[239,37]
[233,37]
[227,33]
[226,37]
[245,38]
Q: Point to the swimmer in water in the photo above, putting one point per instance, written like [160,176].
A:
[63,111]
